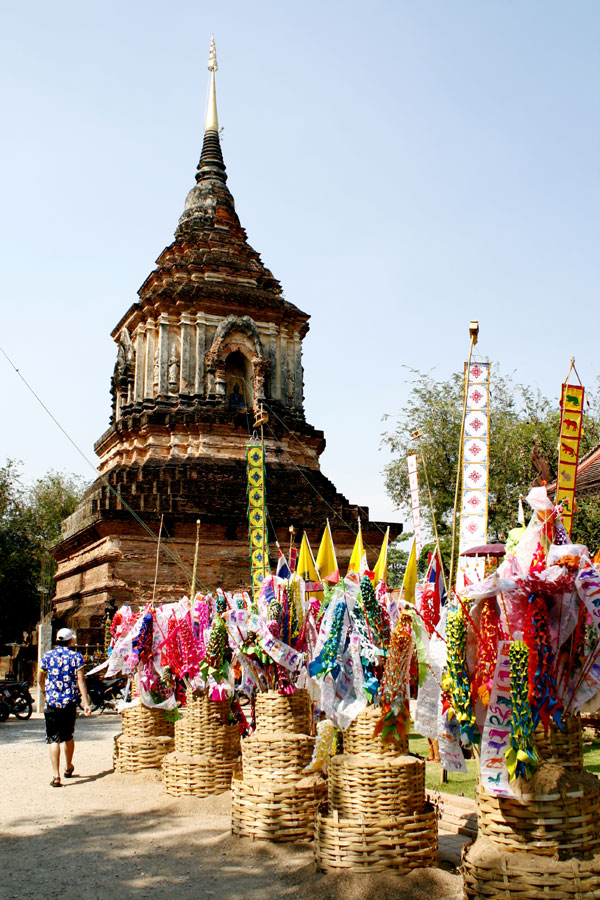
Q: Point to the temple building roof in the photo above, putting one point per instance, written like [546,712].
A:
[210,259]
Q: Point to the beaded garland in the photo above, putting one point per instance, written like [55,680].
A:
[326,660]
[522,758]
[543,699]
[377,624]
[487,652]
[456,681]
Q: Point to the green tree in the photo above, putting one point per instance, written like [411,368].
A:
[523,428]
[30,521]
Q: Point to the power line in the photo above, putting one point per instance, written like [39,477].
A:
[174,555]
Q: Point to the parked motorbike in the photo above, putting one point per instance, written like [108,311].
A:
[15,695]
[105,693]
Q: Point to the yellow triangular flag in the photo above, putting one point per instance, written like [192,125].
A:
[409,582]
[326,559]
[380,569]
[305,567]
[357,553]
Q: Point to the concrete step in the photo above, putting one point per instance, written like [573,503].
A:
[458,814]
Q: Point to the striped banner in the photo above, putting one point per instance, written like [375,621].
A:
[475,474]
[413,486]
[257,516]
[571,415]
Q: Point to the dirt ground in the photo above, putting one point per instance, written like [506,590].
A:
[113,836]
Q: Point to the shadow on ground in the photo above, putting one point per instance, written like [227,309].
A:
[127,854]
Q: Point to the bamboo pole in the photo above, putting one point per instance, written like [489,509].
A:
[195,569]
[473,333]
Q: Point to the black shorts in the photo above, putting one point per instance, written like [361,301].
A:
[60,723]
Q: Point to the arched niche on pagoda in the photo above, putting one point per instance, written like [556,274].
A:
[237,355]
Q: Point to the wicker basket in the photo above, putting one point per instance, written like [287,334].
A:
[202,711]
[394,845]
[185,775]
[144,721]
[275,811]
[373,787]
[506,876]
[358,738]
[562,824]
[278,755]
[134,754]
[222,741]
[564,748]
[284,712]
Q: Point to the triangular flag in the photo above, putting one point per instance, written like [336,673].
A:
[283,570]
[409,582]
[326,559]
[357,553]
[305,566]
[380,570]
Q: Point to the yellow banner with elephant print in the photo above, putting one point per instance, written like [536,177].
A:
[571,418]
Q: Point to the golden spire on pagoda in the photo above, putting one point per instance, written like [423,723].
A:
[212,122]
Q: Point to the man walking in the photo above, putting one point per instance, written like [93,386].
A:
[62,678]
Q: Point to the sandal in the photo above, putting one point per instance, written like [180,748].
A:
[69,772]
[56,782]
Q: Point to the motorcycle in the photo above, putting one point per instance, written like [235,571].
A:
[105,693]
[16,698]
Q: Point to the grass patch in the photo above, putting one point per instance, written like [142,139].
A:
[461,783]
[464,784]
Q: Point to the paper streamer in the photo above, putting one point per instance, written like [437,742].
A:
[571,406]
[257,516]
[495,739]
[413,486]
[474,505]
[451,755]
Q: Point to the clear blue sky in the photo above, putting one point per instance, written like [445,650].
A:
[402,167]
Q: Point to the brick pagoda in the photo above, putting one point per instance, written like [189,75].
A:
[210,337]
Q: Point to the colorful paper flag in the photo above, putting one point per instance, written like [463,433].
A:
[326,559]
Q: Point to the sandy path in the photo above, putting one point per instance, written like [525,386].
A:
[114,836]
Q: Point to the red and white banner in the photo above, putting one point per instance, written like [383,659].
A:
[413,486]
[474,504]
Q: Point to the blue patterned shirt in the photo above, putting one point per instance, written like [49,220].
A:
[61,665]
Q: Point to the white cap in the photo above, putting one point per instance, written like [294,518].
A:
[64,635]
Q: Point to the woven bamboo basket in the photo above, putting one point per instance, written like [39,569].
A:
[562,823]
[358,738]
[203,711]
[134,754]
[185,775]
[210,738]
[275,811]
[564,748]
[278,755]
[284,712]
[395,844]
[373,787]
[143,722]
[493,875]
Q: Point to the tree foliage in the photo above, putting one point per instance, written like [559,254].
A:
[523,428]
[30,519]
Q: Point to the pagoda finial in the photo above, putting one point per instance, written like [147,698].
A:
[212,122]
